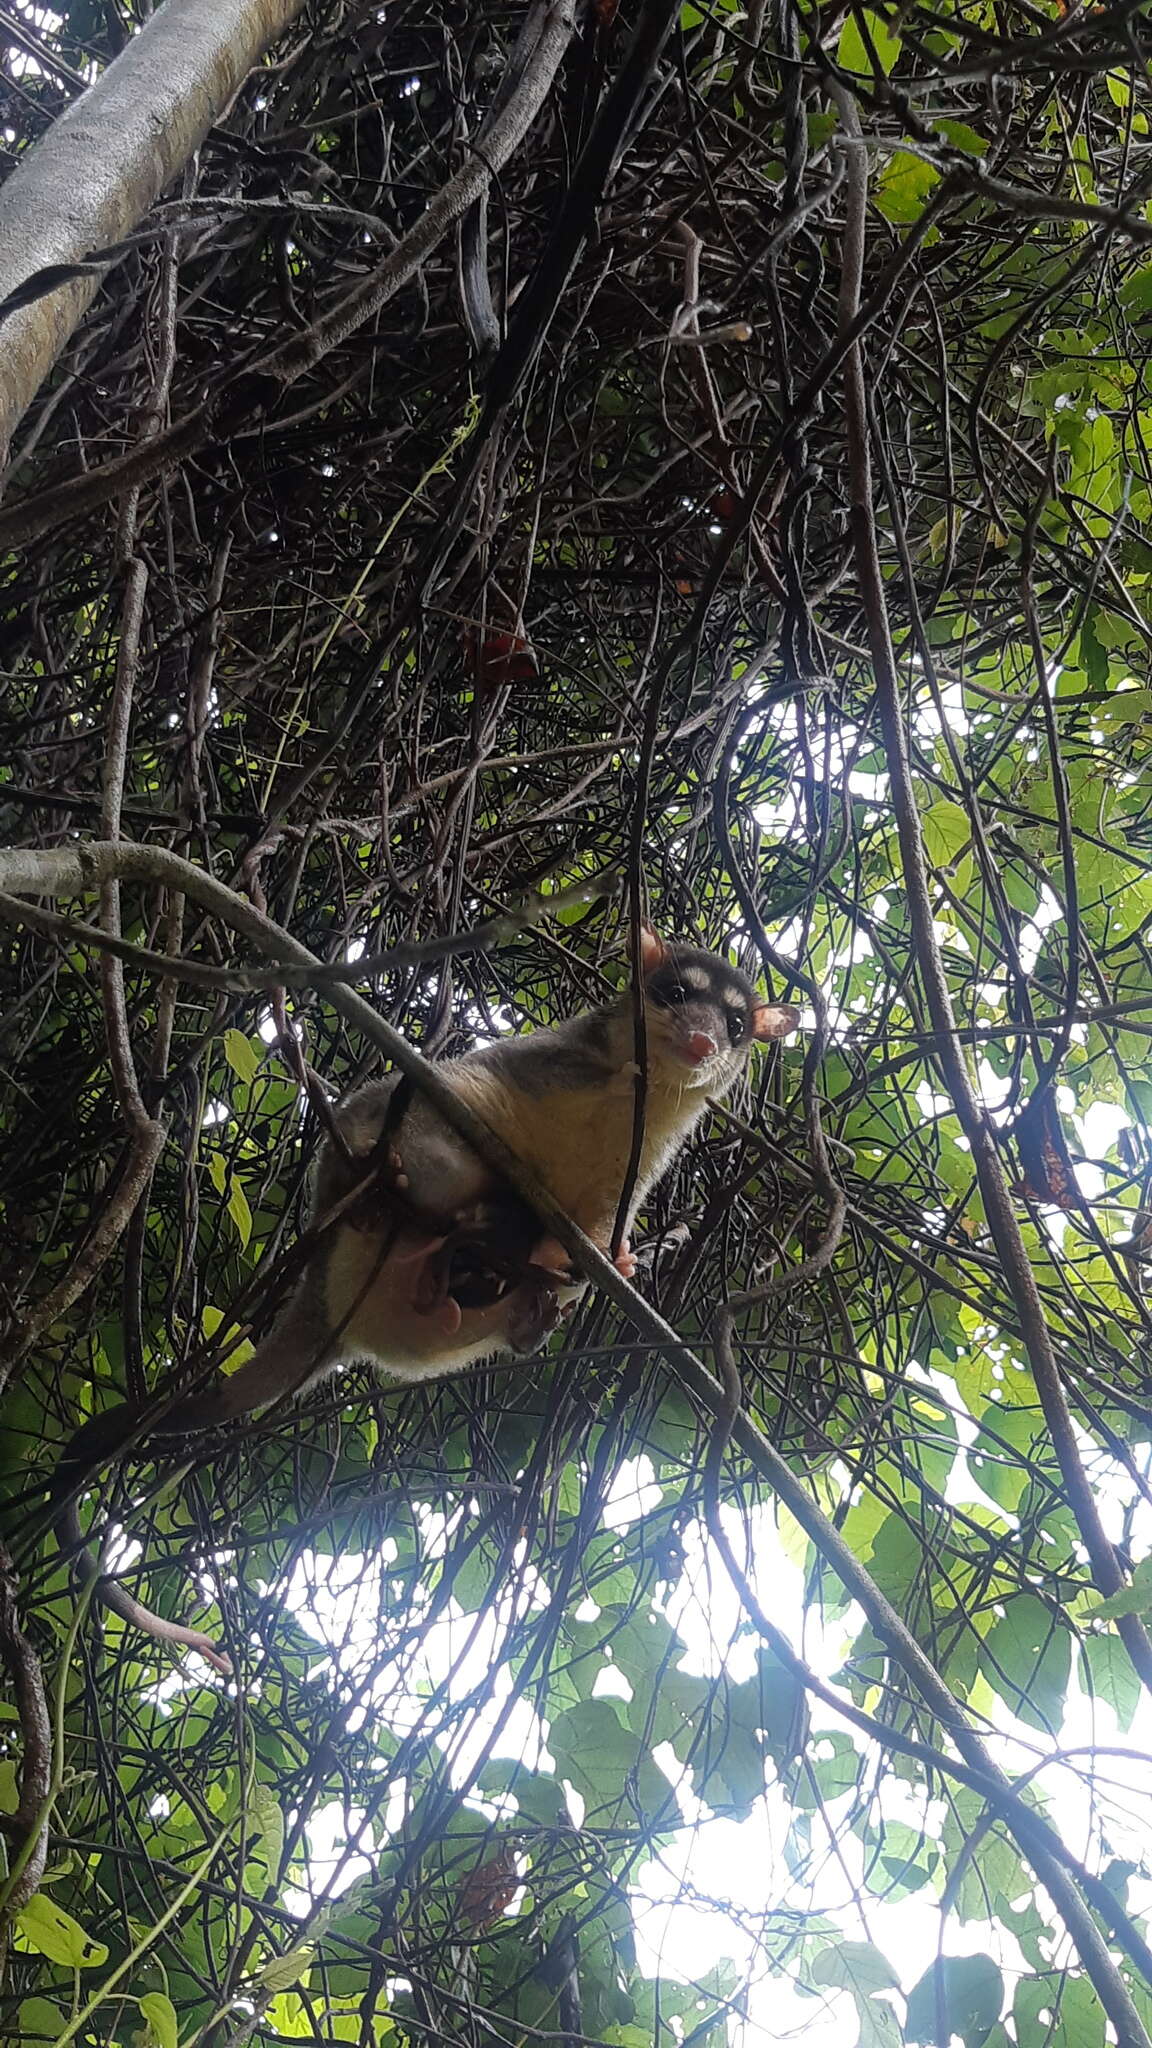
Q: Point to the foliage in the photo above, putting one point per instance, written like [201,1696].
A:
[403,662]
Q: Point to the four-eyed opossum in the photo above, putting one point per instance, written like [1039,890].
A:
[436,1264]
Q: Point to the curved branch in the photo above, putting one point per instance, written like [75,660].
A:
[83,869]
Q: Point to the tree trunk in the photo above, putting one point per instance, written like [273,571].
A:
[104,163]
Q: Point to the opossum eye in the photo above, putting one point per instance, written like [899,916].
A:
[737,1022]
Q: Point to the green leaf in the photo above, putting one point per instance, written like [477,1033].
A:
[972,1993]
[1026,1658]
[1020,889]
[861,1970]
[1124,707]
[853,53]
[782,1708]
[855,1966]
[1136,290]
[538,1797]
[39,2021]
[604,1760]
[834,1774]
[907,1856]
[239,1211]
[673,1712]
[241,1055]
[961,136]
[995,1873]
[282,1972]
[1133,1599]
[906,1876]
[228,1184]
[1093,657]
[265,1825]
[159,2015]
[879,2027]
[1002,1477]
[729,1746]
[946,832]
[904,185]
[896,1559]
[1057,2012]
[47,1928]
[1111,1677]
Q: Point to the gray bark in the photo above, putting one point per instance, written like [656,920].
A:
[94,175]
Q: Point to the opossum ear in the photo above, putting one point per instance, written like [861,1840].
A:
[429,1295]
[774,1020]
[653,951]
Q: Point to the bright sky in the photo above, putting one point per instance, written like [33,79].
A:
[704,1898]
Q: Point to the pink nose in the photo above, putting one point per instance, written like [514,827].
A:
[698,1047]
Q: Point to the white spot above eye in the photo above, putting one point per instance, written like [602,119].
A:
[696,978]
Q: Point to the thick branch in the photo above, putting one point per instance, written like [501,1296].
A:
[108,158]
[253,387]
